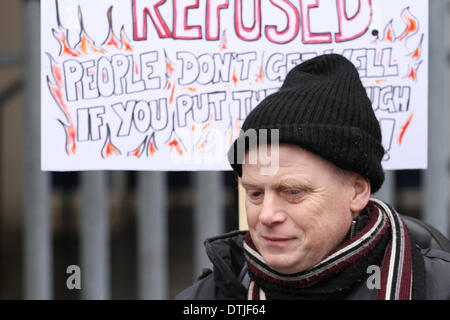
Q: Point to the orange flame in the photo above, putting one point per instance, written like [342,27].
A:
[234,78]
[412,24]
[151,148]
[86,45]
[260,76]
[223,44]
[126,45]
[390,35]
[170,68]
[57,74]
[206,126]
[412,74]
[136,68]
[111,150]
[176,144]
[57,93]
[137,152]
[170,71]
[66,50]
[111,41]
[169,65]
[172,93]
[416,54]
[404,127]
[201,146]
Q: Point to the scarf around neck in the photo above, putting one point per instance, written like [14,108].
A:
[382,242]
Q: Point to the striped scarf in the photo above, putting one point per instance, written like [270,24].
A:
[383,241]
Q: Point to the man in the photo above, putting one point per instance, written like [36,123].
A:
[314,232]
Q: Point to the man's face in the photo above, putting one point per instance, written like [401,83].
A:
[297,216]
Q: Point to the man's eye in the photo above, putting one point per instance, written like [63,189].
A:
[293,194]
[254,195]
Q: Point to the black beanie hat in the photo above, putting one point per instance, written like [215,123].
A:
[323,107]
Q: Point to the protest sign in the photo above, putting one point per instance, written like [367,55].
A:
[167,84]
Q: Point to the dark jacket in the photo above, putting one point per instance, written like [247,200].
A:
[229,278]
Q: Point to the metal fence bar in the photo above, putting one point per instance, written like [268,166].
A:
[9,59]
[35,200]
[435,210]
[152,235]
[95,248]
[208,214]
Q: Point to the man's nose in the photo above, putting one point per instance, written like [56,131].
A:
[271,211]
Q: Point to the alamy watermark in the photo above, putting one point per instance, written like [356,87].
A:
[374,280]
[74,280]
[268,149]
[216,144]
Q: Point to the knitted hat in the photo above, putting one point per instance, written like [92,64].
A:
[323,107]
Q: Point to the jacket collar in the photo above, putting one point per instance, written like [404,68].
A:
[226,254]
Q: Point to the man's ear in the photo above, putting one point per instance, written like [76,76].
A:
[361,193]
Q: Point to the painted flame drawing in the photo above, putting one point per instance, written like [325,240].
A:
[85,47]
[171,83]
[109,149]
[151,146]
[139,151]
[57,89]
[389,34]
[404,128]
[260,75]
[147,146]
[202,141]
[174,142]
[234,77]
[412,25]
[223,44]
[412,28]
[417,53]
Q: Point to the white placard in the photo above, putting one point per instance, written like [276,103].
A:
[166,84]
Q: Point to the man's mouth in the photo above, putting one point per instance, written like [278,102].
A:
[276,241]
